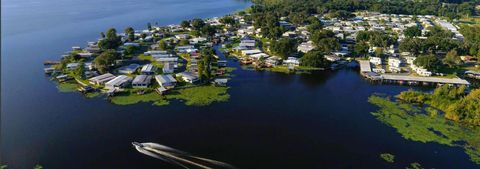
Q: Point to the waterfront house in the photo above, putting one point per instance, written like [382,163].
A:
[306,47]
[292,61]
[88,65]
[85,54]
[128,69]
[258,56]
[189,77]
[72,66]
[220,81]
[166,81]
[102,79]
[141,81]
[251,52]
[272,61]
[118,82]
[148,69]
[332,58]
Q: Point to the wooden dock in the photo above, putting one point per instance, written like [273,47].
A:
[365,66]
[366,71]
[423,80]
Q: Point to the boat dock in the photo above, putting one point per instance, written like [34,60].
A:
[366,71]
[365,66]
[392,78]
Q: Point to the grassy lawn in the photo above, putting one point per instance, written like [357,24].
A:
[145,57]
[69,86]
[201,95]
[131,97]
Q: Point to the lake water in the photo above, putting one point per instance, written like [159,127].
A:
[272,120]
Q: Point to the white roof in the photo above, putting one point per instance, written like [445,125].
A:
[119,80]
[161,79]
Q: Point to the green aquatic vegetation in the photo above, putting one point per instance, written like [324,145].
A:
[92,94]
[131,97]
[201,95]
[414,124]
[388,157]
[66,87]
[414,166]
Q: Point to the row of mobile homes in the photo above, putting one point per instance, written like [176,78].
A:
[128,69]
[141,81]
[166,81]
[102,79]
[118,82]
[189,77]
[148,69]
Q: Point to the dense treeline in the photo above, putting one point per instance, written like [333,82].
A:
[453,101]
[448,8]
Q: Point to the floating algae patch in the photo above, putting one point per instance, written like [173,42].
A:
[413,124]
[92,94]
[388,157]
[131,97]
[66,87]
[201,95]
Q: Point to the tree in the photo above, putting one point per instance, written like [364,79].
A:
[314,59]
[328,45]
[38,167]
[184,42]
[149,26]
[104,61]
[129,50]
[325,41]
[466,109]
[80,70]
[207,56]
[429,62]
[208,30]
[361,48]
[130,33]
[185,24]
[413,31]
[111,41]
[197,23]
[200,69]
[162,45]
[412,45]
[227,20]
[452,59]
[284,47]
[378,52]
[102,35]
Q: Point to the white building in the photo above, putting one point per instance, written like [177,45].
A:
[118,82]
[306,47]
[376,60]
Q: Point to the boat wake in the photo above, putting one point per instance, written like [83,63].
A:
[177,157]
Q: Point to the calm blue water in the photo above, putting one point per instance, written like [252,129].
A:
[271,121]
